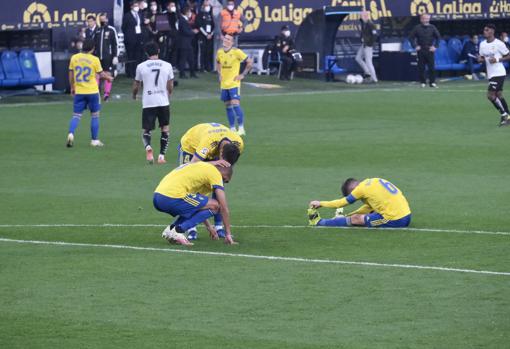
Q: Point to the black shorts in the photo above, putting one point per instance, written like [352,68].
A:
[149,116]
[496,83]
[107,64]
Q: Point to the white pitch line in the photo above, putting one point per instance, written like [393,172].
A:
[113,225]
[251,256]
[275,94]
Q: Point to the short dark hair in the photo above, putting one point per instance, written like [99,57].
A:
[185,9]
[346,185]
[151,48]
[490,26]
[230,153]
[91,17]
[88,45]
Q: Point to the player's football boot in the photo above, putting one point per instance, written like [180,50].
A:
[172,236]
[313,216]
[192,234]
[70,140]
[504,121]
[433,85]
[339,212]
[106,98]
[241,131]
[96,143]
[149,155]
[221,233]
[161,159]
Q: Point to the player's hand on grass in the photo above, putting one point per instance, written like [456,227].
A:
[213,234]
[229,240]
[221,163]
[315,204]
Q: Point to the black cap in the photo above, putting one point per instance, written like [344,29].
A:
[285,27]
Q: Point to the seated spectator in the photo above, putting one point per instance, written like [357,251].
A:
[285,46]
[469,54]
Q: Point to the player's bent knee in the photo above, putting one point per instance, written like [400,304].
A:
[358,219]
[212,205]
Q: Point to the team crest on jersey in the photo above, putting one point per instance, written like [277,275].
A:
[204,151]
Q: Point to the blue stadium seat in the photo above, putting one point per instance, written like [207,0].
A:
[454,53]
[13,71]
[29,68]
[4,82]
[406,46]
[442,58]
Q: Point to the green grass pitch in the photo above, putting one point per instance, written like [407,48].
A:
[441,147]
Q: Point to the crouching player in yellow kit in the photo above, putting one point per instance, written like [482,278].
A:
[183,193]
[216,144]
[83,69]
[384,205]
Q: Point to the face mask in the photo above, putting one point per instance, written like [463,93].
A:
[136,9]
[230,7]
[154,8]
[207,8]
[173,9]
[286,32]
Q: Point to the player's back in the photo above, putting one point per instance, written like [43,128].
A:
[208,135]
[154,74]
[85,66]
[384,197]
[198,177]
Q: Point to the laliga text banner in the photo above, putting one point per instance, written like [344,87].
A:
[29,14]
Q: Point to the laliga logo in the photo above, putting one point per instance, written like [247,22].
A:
[252,13]
[37,13]
[419,7]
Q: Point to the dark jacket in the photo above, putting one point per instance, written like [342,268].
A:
[186,35]
[106,42]
[129,23]
[89,33]
[281,41]
[469,47]
[425,36]
[368,33]
[203,21]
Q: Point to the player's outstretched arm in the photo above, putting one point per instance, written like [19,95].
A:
[225,214]
[135,88]
[106,76]
[71,81]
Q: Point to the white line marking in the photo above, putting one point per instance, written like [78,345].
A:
[272,258]
[125,97]
[113,225]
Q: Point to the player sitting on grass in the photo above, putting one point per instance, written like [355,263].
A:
[83,69]
[215,143]
[384,205]
[183,193]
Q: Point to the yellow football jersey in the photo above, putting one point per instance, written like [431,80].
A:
[192,178]
[204,139]
[230,62]
[380,196]
[85,67]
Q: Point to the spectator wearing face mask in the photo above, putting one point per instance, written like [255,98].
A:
[231,21]
[132,28]
[170,38]
[151,27]
[185,44]
[285,46]
[205,25]
[106,50]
